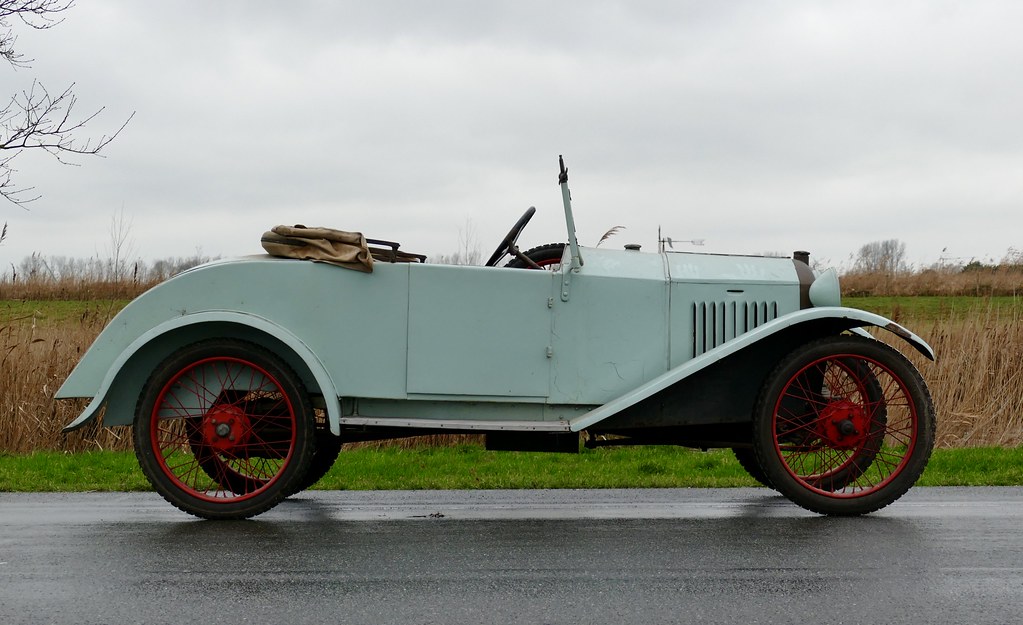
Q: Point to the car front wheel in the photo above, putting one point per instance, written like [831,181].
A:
[844,425]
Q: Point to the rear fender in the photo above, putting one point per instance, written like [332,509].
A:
[125,377]
[814,321]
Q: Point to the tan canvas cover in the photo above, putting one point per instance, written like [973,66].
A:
[345,249]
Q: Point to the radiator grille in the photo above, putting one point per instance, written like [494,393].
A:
[715,323]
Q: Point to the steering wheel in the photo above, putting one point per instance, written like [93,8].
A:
[508,244]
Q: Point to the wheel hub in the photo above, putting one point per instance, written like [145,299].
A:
[226,428]
[843,424]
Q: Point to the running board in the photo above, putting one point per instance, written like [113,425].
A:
[456,424]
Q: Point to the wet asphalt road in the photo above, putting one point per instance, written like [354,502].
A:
[940,555]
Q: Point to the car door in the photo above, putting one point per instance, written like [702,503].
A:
[610,327]
[479,331]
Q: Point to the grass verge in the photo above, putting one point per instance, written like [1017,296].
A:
[471,467]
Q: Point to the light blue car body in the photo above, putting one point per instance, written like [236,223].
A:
[460,348]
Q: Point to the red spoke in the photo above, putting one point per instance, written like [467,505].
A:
[871,396]
[261,436]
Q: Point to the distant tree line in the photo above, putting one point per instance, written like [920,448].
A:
[880,268]
[469,251]
[40,269]
[883,257]
[889,258]
[1013,261]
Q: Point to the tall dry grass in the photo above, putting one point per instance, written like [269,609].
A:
[947,281]
[976,382]
[73,289]
[977,378]
[37,356]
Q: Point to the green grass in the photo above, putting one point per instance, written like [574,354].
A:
[474,467]
[53,471]
[470,467]
[979,466]
[58,311]
[934,307]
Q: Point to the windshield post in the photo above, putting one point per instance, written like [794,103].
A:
[566,197]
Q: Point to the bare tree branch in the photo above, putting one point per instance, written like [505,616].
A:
[37,14]
[33,119]
[7,51]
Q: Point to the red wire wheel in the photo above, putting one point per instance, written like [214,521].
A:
[224,429]
[844,425]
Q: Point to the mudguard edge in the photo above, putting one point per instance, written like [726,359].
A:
[852,318]
[316,368]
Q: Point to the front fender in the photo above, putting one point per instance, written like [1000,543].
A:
[837,319]
[158,342]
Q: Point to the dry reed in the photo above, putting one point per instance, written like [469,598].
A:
[37,355]
[977,378]
[77,289]
[950,281]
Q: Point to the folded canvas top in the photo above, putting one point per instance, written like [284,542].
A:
[325,245]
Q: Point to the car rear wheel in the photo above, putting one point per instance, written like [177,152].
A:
[224,429]
[844,425]
[328,448]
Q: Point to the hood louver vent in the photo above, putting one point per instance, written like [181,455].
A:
[715,323]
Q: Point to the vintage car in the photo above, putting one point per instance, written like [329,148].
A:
[243,377]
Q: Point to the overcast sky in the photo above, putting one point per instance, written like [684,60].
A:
[758,126]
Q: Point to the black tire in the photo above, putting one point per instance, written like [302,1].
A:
[844,425]
[548,256]
[328,447]
[224,429]
[748,460]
